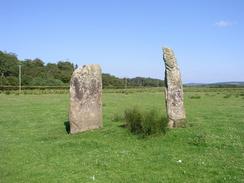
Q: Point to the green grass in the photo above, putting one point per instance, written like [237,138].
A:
[34,145]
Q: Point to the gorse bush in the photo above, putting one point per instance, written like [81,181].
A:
[145,122]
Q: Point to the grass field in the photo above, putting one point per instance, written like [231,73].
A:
[35,147]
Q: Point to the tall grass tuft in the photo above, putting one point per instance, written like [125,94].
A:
[195,97]
[242,94]
[133,119]
[145,123]
[117,117]
[227,96]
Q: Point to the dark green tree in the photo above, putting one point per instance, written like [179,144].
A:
[65,71]
[8,68]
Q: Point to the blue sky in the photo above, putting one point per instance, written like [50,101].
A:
[126,36]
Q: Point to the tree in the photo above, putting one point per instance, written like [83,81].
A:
[112,81]
[35,72]
[8,68]
[8,64]
[32,69]
[65,71]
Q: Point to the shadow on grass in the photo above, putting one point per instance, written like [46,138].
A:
[67,126]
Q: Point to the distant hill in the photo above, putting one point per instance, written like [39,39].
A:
[231,83]
[218,84]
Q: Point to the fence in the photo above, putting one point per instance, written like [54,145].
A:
[65,89]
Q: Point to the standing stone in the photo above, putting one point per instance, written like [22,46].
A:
[173,90]
[86,99]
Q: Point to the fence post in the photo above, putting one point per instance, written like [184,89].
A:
[19,79]
[2,79]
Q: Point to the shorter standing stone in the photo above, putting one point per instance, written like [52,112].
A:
[86,99]
[173,90]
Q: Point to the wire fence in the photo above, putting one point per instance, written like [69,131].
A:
[65,89]
[9,87]
[110,89]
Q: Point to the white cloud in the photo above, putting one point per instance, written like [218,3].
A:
[224,23]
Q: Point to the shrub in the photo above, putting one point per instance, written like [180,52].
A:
[145,122]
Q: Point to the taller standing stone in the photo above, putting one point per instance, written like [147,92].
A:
[173,90]
[86,99]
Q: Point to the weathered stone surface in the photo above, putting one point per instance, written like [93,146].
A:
[173,90]
[86,99]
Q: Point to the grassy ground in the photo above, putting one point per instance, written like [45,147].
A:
[34,145]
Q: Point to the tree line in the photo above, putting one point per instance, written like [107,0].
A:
[110,81]
[36,73]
